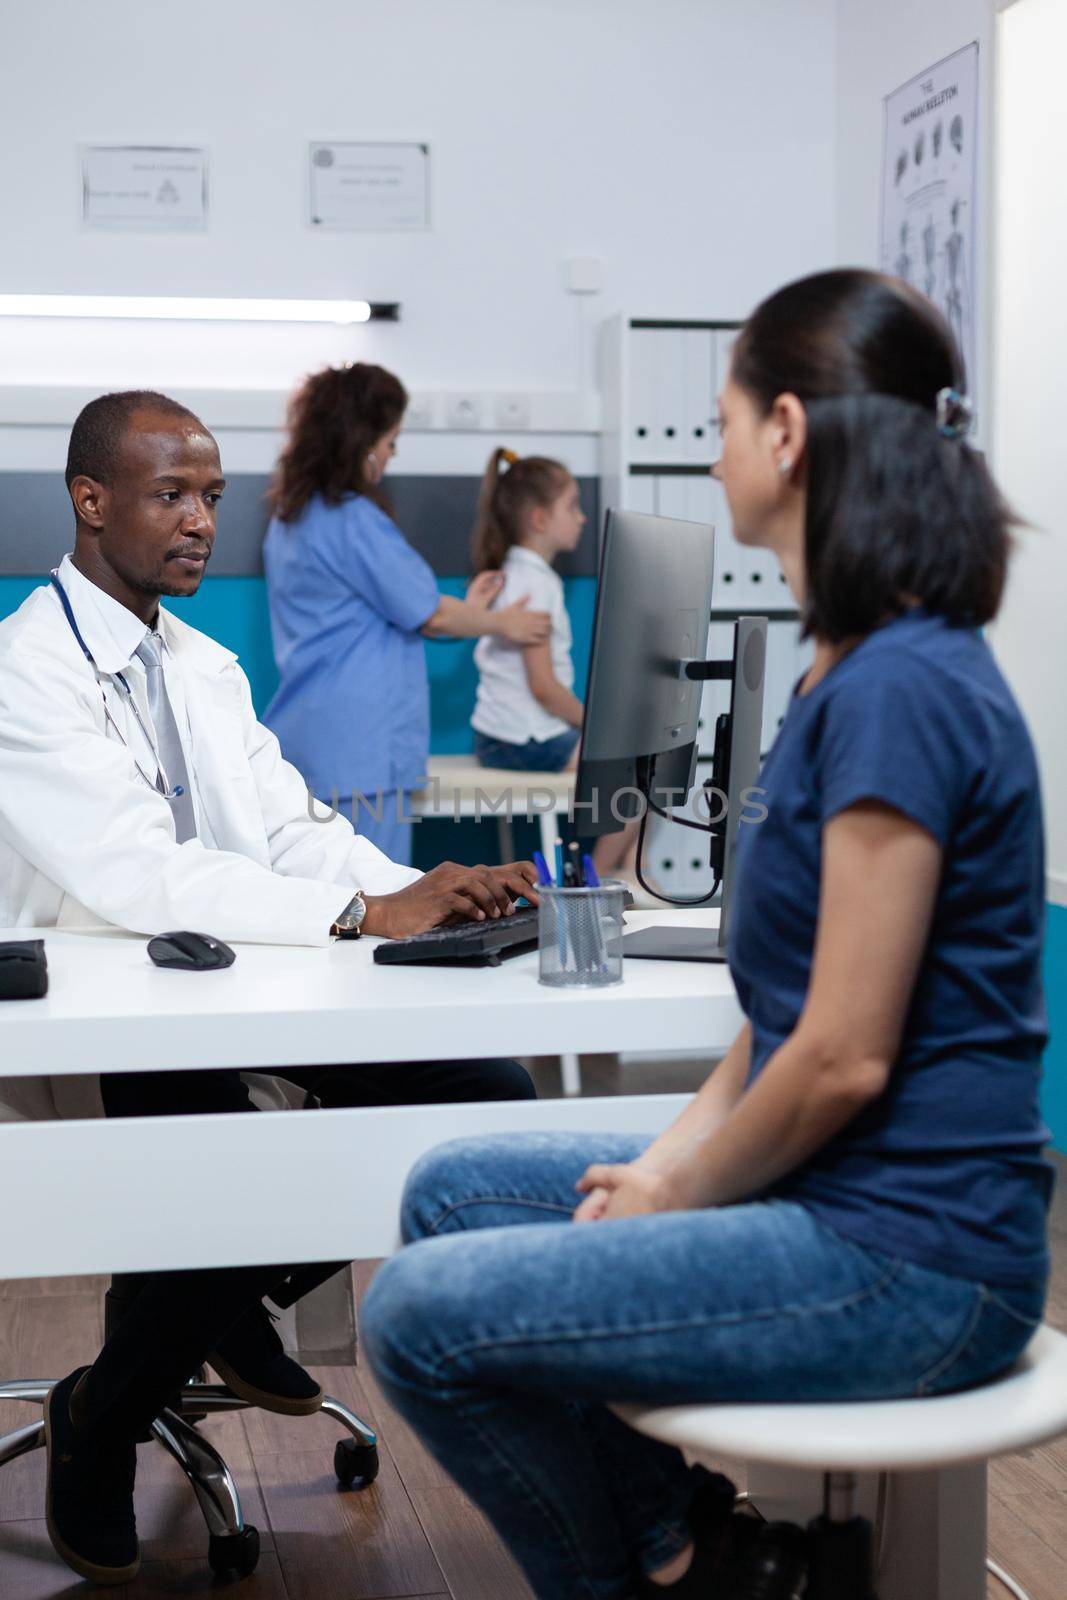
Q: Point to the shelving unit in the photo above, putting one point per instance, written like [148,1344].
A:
[659,380]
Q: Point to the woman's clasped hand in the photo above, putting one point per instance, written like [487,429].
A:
[627,1190]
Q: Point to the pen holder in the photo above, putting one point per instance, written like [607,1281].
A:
[580,936]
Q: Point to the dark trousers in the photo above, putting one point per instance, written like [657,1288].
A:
[174,1319]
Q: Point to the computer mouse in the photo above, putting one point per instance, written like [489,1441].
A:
[193,952]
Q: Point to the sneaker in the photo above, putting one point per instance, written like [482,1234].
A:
[89,1495]
[252,1361]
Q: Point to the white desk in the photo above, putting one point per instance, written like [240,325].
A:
[461,787]
[112,1196]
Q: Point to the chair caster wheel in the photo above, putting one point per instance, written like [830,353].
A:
[355,1464]
[233,1554]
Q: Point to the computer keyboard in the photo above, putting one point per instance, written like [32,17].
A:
[486,943]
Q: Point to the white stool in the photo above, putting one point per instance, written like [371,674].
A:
[933,1453]
[459,787]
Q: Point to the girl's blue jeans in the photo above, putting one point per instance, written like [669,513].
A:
[536,755]
[504,1330]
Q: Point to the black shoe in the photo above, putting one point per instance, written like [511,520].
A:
[774,1567]
[719,1536]
[89,1498]
[251,1360]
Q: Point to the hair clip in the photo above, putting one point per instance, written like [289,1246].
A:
[955,413]
[509,456]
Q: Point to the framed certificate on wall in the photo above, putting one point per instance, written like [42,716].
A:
[144,188]
[369,187]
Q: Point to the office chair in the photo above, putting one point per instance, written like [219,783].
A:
[233,1544]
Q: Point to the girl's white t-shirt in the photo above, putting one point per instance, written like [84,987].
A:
[505,708]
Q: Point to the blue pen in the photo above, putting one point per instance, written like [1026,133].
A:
[592,881]
[544,877]
[560,910]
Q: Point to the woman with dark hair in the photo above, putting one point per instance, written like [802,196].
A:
[350,605]
[854,1205]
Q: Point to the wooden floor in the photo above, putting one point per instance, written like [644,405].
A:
[412,1533]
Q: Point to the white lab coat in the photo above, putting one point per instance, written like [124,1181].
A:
[84,840]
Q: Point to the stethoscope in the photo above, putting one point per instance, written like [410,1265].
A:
[161,784]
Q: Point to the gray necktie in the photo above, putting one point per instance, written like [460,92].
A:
[172,760]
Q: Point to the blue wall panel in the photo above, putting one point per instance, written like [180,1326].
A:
[1054,1092]
[13,592]
[234,611]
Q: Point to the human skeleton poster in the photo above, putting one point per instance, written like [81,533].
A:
[930,191]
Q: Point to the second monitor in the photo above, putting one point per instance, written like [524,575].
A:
[646,675]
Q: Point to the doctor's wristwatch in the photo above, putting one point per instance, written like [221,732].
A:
[350,923]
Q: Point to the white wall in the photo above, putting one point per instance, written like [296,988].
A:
[1030,349]
[664,139]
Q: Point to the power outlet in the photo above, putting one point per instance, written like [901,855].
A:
[584,274]
[464,411]
[421,414]
[512,412]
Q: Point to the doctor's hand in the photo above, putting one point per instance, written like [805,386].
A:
[518,878]
[450,893]
[624,1191]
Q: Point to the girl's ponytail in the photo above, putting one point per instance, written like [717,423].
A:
[490,542]
[504,499]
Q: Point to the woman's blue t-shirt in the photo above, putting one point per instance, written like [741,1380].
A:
[348,596]
[945,1168]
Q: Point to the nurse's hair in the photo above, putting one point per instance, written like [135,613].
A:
[335,419]
[511,488]
[899,507]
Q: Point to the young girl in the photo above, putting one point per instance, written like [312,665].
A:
[527,715]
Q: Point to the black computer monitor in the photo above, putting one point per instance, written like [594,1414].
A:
[646,674]
[653,609]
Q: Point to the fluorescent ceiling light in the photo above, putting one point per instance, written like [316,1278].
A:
[190,309]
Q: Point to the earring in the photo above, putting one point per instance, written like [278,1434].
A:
[785,466]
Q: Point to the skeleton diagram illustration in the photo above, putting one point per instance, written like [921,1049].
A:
[930,221]
[929,237]
[955,274]
[904,263]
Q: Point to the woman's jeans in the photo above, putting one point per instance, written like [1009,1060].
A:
[505,1329]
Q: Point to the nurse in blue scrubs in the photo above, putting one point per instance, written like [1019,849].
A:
[351,603]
